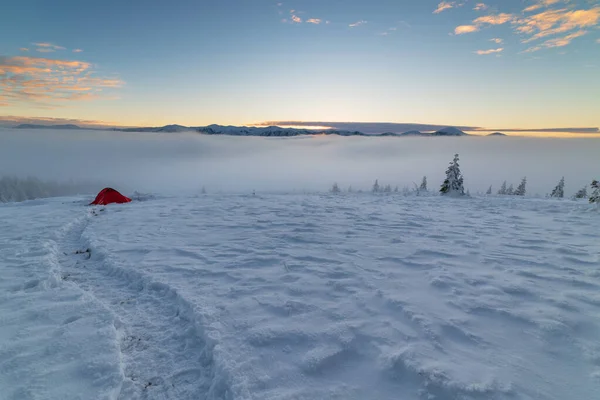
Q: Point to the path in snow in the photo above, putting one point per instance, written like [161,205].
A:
[55,341]
[164,353]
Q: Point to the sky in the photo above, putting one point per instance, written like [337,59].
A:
[498,64]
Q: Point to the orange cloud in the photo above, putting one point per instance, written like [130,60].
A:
[567,21]
[77,50]
[48,82]
[296,19]
[480,7]
[556,42]
[540,4]
[552,22]
[459,30]
[444,5]
[490,51]
[315,21]
[498,19]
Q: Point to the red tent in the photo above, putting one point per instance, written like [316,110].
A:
[109,195]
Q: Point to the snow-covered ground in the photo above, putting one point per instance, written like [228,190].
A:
[351,296]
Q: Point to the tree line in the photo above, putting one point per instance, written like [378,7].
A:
[453,185]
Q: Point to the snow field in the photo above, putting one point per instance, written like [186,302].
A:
[302,297]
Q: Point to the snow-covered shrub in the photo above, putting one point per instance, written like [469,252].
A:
[520,191]
[559,190]
[581,193]
[502,189]
[335,188]
[453,184]
[489,191]
[595,196]
[387,189]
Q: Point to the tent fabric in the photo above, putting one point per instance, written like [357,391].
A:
[108,196]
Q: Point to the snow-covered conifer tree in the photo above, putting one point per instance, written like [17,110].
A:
[335,188]
[423,187]
[595,196]
[502,188]
[387,189]
[376,187]
[510,191]
[520,191]
[489,191]
[559,190]
[453,184]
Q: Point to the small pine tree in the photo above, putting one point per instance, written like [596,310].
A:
[502,188]
[203,191]
[376,188]
[489,191]
[521,188]
[559,190]
[335,188]
[387,189]
[350,190]
[595,196]
[453,184]
[510,191]
[423,187]
[581,194]
[396,189]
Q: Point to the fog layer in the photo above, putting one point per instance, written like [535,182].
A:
[185,162]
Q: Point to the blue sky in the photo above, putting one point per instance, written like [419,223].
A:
[500,63]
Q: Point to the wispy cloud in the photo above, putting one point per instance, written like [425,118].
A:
[497,19]
[497,40]
[552,22]
[446,5]
[490,51]
[540,4]
[45,47]
[357,23]
[48,82]
[556,42]
[77,50]
[562,20]
[24,49]
[480,7]
[296,19]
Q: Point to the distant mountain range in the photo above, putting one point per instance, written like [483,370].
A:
[37,126]
[268,131]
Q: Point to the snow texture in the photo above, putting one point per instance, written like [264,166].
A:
[346,296]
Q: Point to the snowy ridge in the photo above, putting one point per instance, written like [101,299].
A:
[276,131]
